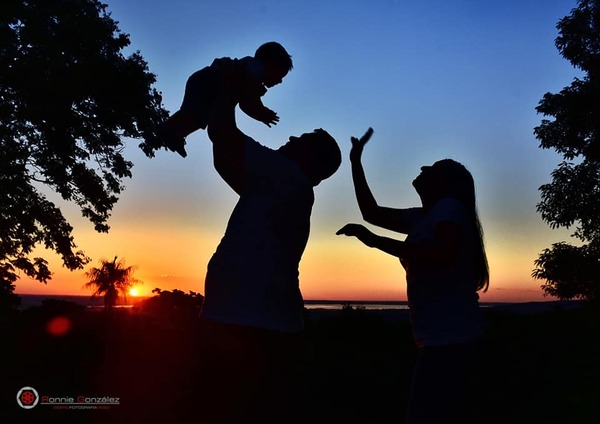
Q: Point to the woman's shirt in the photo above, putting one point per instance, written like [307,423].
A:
[443,300]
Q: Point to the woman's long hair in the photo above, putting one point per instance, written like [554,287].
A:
[460,185]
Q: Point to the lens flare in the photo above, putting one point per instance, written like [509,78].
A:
[59,326]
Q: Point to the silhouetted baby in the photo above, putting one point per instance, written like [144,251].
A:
[244,80]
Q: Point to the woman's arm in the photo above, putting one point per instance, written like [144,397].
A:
[388,245]
[389,218]
[440,252]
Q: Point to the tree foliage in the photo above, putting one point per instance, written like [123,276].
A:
[570,271]
[69,97]
[175,307]
[572,198]
[9,302]
[110,280]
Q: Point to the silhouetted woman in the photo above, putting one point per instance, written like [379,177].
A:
[446,265]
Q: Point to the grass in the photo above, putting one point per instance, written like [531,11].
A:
[541,368]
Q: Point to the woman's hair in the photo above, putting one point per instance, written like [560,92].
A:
[459,184]
[275,52]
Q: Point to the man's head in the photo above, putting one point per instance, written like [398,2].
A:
[276,61]
[317,154]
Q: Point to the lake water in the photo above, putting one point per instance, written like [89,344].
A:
[321,304]
[30,300]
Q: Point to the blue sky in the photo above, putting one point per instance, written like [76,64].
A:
[435,79]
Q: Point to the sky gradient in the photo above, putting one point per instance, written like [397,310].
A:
[435,79]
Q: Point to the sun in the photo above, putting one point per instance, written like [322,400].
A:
[134,292]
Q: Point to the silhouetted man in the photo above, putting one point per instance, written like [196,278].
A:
[253,306]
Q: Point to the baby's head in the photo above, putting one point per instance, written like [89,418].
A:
[276,60]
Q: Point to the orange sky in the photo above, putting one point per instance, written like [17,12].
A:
[459,81]
[170,228]
[333,267]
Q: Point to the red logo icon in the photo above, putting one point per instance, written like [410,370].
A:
[27,397]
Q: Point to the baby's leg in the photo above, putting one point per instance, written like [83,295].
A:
[194,112]
[173,132]
[182,123]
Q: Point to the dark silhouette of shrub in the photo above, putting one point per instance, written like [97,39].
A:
[173,307]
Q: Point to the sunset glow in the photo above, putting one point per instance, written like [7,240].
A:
[435,80]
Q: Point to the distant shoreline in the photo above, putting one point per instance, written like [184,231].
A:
[32,300]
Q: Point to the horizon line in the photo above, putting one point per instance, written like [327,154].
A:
[309,301]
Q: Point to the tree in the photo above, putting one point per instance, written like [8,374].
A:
[573,196]
[570,271]
[110,280]
[69,99]
[175,308]
[9,302]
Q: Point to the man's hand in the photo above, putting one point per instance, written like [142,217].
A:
[359,144]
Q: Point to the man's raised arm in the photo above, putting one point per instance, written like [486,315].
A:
[228,144]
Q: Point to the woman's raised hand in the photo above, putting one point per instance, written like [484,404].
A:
[358,144]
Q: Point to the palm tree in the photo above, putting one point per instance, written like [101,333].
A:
[110,279]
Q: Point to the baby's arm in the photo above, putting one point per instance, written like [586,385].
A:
[251,76]
[254,108]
